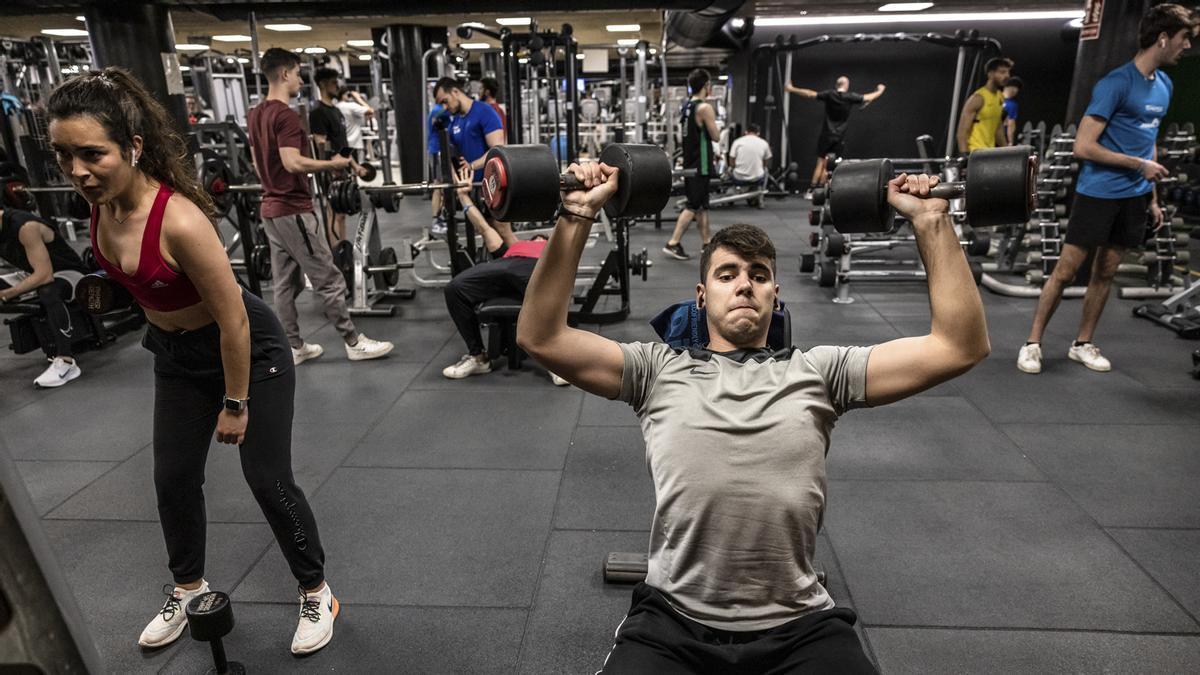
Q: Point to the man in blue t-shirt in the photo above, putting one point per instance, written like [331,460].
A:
[1012,87]
[474,128]
[434,138]
[1115,188]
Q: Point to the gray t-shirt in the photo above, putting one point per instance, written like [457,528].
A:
[737,455]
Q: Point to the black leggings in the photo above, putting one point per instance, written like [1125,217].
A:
[188,387]
[53,298]
[503,278]
[654,639]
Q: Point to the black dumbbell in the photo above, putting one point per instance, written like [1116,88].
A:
[1000,190]
[369,172]
[522,183]
[210,618]
[98,294]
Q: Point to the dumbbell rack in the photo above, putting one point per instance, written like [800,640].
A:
[836,253]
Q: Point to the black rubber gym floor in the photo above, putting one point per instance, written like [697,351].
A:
[1002,522]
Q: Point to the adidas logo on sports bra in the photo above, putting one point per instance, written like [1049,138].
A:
[158,284]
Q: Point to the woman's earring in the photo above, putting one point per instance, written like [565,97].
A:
[133,160]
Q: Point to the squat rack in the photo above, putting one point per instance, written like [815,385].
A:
[961,40]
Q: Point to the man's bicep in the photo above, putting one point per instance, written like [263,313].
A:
[494,138]
[906,366]
[589,361]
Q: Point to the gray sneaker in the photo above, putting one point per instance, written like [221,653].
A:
[676,251]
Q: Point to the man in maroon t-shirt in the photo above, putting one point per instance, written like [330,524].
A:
[279,149]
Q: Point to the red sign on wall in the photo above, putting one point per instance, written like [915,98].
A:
[1092,11]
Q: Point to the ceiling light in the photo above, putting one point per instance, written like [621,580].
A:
[522,60]
[184,68]
[628,42]
[314,50]
[232,38]
[623,27]
[242,59]
[905,6]
[360,43]
[737,23]
[653,50]
[1076,22]
[190,47]
[298,50]
[364,57]
[287,27]
[473,24]
[514,21]
[80,18]
[475,45]
[915,18]
[722,77]
[65,32]
[580,57]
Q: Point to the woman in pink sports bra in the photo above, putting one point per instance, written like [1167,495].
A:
[221,359]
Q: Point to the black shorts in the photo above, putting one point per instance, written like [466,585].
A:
[655,639]
[828,144]
[696,189]
[1108,222]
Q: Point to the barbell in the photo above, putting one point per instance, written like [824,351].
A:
[1000,190]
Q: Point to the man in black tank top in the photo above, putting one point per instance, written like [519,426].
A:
[839,102]
[52,268]
[699,122]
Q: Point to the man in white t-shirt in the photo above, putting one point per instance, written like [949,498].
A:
[749,156]
[356,111]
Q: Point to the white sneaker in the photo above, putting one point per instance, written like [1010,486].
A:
[315,629]
[366,348]
[58,373]
[468,365]
[1029,359]
[307,351]
[558,381]
[168,624]
[1089,355]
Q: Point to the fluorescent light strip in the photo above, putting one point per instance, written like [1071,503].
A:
[242,59]
[364,57]
[189,47]
[623,27]
[314,50]
[905,6]
[65,32]
[915,18]
[360,43]
[231,38]
[287,27]
[475,45]
[80,18]
[514,21]
[628,42]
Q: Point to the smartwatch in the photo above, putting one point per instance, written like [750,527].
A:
[236,405]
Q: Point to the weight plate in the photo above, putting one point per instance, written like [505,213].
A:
[1001,186]
[857,196]
[643,181]
[521,183]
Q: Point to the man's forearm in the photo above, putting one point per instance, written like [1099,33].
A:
[304,164]
[955,306]
[27,284]
[544,311]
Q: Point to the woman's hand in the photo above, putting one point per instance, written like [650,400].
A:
[231,426]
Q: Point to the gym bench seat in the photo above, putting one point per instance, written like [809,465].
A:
[500,317]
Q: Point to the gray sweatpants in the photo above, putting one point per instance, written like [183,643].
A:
[298,246]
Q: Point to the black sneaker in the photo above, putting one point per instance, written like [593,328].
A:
[676,251]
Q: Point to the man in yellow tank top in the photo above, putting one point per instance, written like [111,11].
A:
[981,122]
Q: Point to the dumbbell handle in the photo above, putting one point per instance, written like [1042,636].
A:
[952,190]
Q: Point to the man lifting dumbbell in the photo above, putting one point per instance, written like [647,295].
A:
[277,147]
[1116,141]
[216,346]
[504,276]
[331,136]
[52,268]
[728,592]
[839,102]
[699,127]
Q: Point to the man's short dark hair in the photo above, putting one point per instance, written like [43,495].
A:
[447,84]
[697,79]
[490,87]
[275,59]
[747,241]
[1014,81]
[753,128]
[325,75]
[995,63]
[1167,18]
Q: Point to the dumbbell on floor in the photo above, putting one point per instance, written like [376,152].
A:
[210,618]
[1000,190]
